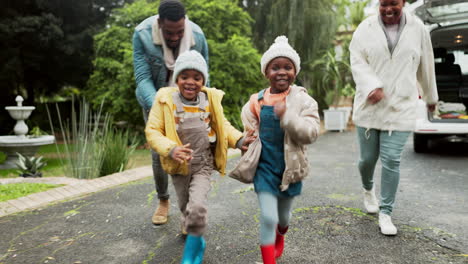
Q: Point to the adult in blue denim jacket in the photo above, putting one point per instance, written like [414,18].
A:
[157,42]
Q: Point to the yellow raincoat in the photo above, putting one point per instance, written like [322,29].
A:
[162,136]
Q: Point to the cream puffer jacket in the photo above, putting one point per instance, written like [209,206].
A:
[301,124]
[373,66]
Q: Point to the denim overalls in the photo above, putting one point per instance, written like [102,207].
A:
[271,165]
[192,190]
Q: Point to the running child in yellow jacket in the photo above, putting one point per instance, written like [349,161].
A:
[188,129]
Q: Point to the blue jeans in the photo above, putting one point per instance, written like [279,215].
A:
[160,176]
[388,145]
[274,210]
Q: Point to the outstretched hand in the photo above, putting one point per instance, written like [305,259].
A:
[249,138]
[182,153]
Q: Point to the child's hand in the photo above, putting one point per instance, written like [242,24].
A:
[182,154]
[280,108]
[249,138]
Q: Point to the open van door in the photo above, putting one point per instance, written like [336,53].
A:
[447,21]
[443,12]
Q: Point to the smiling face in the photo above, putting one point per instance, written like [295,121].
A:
[172,31]
[190,83]
[281,73]
[391,10]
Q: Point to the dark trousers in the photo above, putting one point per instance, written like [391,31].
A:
[160,176]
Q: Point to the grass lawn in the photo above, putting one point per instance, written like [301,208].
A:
[53,167]
[16,190]
[139,158]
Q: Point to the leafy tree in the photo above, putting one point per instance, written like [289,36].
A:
[112,79]
[332,72]
[259,11]
[26,44]
[220,20]
[356,13]
[332,75]
[46,44]
[234,62]
[235,68]
[310,26]
[314,28]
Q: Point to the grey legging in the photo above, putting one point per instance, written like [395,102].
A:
[160,176]
[274,211]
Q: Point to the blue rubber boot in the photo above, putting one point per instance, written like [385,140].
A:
[201,252]
[194,250]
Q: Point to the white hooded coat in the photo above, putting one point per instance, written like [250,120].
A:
[398,73]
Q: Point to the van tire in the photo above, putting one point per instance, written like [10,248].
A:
[420,143]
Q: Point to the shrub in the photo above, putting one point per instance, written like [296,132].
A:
[117,146]
[92,148]
[233,61]
[29,166]
[83,155]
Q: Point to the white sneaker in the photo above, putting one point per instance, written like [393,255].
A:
[370,201]
[386,225]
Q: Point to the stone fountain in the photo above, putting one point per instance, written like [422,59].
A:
[21,143]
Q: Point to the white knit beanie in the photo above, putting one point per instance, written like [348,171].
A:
[280,48]
[190,60]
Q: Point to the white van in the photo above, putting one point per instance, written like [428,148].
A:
[448,23]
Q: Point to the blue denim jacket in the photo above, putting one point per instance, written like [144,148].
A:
[148,61]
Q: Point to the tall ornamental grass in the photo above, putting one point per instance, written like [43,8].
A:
[118,146]
[92,147]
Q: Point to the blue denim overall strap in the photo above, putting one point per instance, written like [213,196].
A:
[260,95]
[271,164]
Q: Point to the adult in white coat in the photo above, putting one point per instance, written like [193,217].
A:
[390,53]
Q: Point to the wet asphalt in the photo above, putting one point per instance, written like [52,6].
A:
[328,223]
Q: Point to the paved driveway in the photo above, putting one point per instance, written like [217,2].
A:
[328,226]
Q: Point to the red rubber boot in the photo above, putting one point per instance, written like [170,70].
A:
[268,254]
[279,243]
